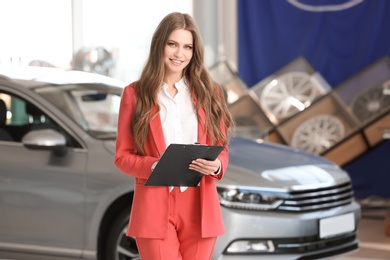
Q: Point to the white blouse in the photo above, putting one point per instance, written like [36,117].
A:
[178,116]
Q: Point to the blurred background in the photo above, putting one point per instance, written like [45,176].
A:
[108,37]
[311,74]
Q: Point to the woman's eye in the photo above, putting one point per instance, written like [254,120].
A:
[188,47]
[172,44]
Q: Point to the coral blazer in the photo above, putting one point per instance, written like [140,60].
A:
[149,214]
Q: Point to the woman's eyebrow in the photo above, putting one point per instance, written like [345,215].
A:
[188,44]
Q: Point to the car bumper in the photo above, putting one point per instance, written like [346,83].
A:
[292,235]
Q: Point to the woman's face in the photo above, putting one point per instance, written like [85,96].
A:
[178,51]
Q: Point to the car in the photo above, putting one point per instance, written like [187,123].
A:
[61,194]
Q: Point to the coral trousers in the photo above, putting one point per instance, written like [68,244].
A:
[184,240]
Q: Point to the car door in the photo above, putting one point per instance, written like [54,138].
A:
[41,192]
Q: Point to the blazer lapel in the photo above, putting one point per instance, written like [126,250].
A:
[155,128]
[201,128]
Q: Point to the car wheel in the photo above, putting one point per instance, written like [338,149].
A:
[120,246]
[318,134]
[369,103]
[288,94]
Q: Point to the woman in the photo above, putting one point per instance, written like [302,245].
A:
[174,101]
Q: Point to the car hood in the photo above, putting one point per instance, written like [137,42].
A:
[263,164]
[274,166]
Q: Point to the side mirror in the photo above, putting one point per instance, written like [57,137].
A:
[45,139]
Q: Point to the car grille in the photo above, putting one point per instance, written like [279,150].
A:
[317,199]
[311,245]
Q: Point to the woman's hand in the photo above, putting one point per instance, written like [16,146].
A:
[205,167]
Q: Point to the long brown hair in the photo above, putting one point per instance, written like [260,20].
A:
[206,92]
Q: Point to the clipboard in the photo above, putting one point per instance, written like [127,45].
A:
[172,169]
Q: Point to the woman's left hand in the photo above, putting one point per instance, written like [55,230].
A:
[205,167]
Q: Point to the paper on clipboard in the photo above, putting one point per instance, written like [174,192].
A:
[172,169]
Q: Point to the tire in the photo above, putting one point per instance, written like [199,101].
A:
[118,245]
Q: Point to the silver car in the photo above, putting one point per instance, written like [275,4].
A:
[61,195]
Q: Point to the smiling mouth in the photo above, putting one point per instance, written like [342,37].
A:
[176,62]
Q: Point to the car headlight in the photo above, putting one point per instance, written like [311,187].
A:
[247,199]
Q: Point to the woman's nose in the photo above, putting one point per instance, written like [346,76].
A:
[178,52]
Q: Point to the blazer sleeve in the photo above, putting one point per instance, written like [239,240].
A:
[126,159]
[224,159]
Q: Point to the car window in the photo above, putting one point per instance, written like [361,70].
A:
[99,109]
[4,118]
[18,117]
[93,107]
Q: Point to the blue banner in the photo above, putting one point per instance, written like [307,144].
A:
[337,37]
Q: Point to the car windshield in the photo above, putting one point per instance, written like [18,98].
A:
[94,107]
